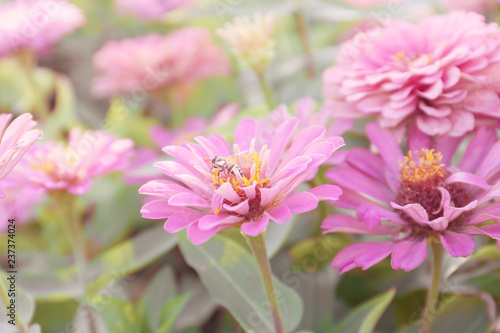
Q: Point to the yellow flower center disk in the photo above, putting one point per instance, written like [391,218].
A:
[250,165]
[420,178]
[427,169]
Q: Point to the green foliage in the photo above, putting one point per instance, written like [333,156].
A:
[232,277]
[364,317]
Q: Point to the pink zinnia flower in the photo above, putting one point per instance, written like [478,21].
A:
[36,24]
[21,199]
[155,62]
[149,10]
[259,185]
[421,197]
[440,74]
[57,167]
[16,139]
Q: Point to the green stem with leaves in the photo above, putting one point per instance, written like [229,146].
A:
[258,247]
[433,293]
[268,92]
[4,297]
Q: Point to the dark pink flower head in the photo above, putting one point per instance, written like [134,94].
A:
[55,166]
[149,10]
[440,74]
[420,197]
[36,24]
[156,62]
[255,183]
[16,139]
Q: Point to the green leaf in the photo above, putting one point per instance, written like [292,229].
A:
[364,318]
[457,313]
[276,235]
[120,316]
[129,256]
[161,288]
[232,277]
[487,253]
[171,309]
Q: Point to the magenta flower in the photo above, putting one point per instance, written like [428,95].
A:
[57,167]
[35,25]
[439,74]
[421,198]
[258,185]
[149,10]
[156,62]
[16,139]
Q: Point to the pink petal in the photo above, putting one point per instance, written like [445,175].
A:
[199,236]
[301,202]
[374,254]
[457,245]
[241,208]
[180,221]
[386,144]
[416,211]
[408,255]
[279,214]
[227,192]
[348,224]
[254,228]
[208,222]
[350,178]
[492,230]
[189,200]
[478,148]
[326,192]
[245,132]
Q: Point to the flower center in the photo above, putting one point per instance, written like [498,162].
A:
[242,171]
[420,179]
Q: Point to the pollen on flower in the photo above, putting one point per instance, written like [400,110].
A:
[251,165]
[426,168]
[420,178]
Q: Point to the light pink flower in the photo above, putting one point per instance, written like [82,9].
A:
[206,200]
[16,139]
[155,62]
[366,4]
[479,6]
[149,10]
[440,74]
[20,201]
[418,198]
[36,24]
[57,167]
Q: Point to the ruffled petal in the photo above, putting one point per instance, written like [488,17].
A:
[255,227]
[457,245]
[348,224]
[408,255]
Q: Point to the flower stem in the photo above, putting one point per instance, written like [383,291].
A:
[302,30]
[6,302]
[433,293]
[268,92]
[258,247]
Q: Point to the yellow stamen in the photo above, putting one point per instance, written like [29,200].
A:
[428,166]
